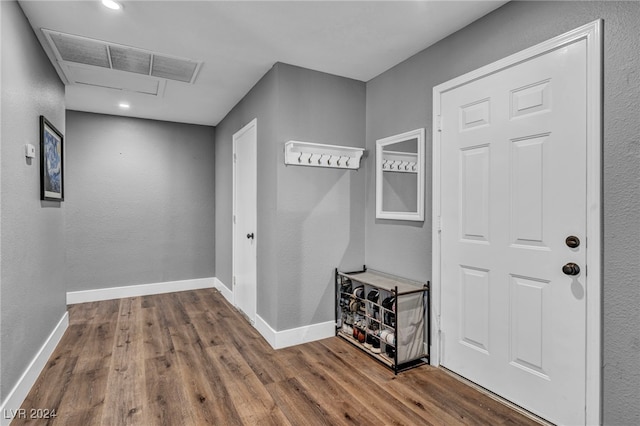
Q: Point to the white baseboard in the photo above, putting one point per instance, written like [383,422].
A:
[16,397]
[228,294]
[294,336]
[96,295]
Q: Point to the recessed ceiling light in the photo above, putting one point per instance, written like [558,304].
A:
[124,105]
[111,4]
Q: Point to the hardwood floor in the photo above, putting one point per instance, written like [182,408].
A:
[189,358]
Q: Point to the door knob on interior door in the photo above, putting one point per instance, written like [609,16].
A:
[250,236]
[571,269]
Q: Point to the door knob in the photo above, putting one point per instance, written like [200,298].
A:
[572,241]
[571,269]
[250,236]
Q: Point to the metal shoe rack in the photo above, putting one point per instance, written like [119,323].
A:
[384,315]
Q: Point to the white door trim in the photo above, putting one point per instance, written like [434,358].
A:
[252,124]
[592,34]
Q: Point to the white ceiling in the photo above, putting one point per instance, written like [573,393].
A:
[239,41]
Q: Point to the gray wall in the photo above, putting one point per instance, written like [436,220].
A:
[309,219]
[139,201]
[401,99]
[32,232]
[304,213]
[320,212]
[260,103]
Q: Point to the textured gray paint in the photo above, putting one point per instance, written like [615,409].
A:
[309,220]
[32,232]
[320,210]
[260,103]
[140,201]
[401,99]
[396,103]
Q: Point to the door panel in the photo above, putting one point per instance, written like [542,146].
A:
[513,187]
[529,305]
[474,193]
[474,301]
[527,186]
[245,211]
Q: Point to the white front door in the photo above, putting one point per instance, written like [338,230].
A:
[513,207]
[245,214]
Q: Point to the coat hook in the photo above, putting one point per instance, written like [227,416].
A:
[329,160]
[338,162]
[300,158]
[347,163]
[320,159]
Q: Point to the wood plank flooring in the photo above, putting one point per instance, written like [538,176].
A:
[189,358]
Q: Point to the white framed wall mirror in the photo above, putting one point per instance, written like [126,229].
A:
[400,176]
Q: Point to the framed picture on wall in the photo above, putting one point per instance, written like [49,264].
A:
[51,162]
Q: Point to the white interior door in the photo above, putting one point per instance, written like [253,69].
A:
[244,220]
[513,188]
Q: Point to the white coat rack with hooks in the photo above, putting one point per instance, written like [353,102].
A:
[400,162]
[320,155]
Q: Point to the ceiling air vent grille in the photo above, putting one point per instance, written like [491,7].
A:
[81,50]
[173,69]
[131,60]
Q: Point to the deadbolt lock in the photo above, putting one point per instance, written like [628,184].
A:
[572,241]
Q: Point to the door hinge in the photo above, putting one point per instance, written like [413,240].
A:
[439,223]
[235,157]
[234,280]
[439,123]
[234,219]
